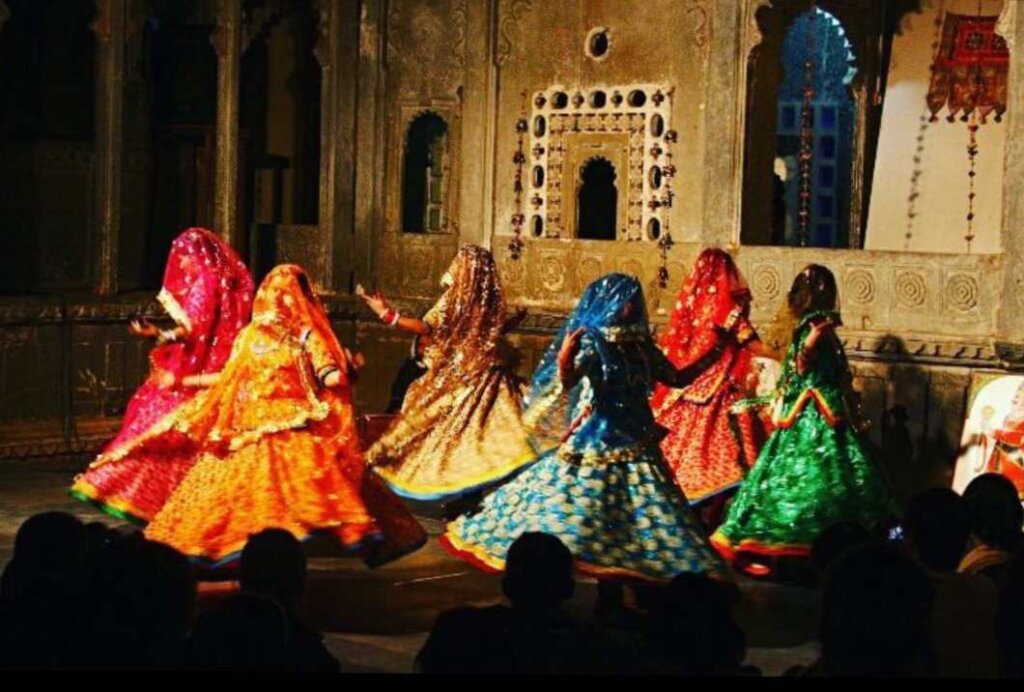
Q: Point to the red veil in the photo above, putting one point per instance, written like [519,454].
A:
[715,295]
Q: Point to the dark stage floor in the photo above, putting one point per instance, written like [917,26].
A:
[376,620]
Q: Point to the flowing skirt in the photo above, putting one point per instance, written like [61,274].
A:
[135,474]
[809,476]
[622,520]
[708,449]
[306,481]
[450,443]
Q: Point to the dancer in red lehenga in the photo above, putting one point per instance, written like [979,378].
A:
[208,292]
[709,448]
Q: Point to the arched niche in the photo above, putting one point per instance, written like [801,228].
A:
[424,171]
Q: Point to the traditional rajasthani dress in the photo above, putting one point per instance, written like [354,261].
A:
[709,447]
[281,449]
[604,490]
[207,290]
[459,428]
[815,470]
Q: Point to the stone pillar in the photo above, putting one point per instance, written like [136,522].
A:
[1011,307]
[724,105]
[227,42]
[369,140]
[479,114]
[110,27]
[329,14]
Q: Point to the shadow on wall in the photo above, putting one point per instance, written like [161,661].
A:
[916,446]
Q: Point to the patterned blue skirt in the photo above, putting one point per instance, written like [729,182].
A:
[623,519]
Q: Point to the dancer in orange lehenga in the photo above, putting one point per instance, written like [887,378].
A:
[709,446]
[281,444]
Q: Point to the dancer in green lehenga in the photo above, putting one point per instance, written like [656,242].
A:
[814,470]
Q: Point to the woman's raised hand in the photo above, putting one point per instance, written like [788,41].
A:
[142,327]
[374,301]
[570,347]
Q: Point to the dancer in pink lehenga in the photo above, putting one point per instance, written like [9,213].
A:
[208,292]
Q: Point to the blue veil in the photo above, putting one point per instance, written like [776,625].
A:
[551,410]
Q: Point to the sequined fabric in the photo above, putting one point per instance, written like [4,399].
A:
[208,291]
[281,450]
[814,470]
[460,427]
[603,490]
[707,451]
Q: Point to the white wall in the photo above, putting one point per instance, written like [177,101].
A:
[941,208]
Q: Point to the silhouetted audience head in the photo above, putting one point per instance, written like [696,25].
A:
[836,540]
[876,614]
[693,630]
[995,511]
[47,544]
[273,564]
[145,596]
[247,632]
[937,528]
[41,593]
[538,572]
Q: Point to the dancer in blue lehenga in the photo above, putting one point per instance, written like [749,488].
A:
[602,486]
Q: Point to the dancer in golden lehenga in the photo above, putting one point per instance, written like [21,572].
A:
[280,441]
[459,428]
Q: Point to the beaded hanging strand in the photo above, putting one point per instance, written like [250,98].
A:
[515,246]
[807,134]
[665,241]
[972,143]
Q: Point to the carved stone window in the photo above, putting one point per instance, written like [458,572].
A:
[599,169]
[424,170]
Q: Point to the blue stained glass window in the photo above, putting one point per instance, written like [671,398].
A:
[788,117]
[828,117]
[825,206]
[827,177]
[828,147]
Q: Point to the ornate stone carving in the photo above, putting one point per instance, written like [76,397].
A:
[588,269]
[427,46]
[766,282]
[509,19]
[910,290]
[552,273]
[860,287]
[962,293]
[513,275]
